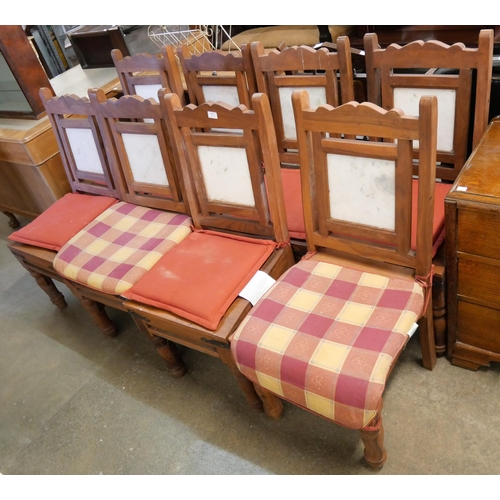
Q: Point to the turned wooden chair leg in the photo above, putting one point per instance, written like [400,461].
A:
[273,406]
[439,314]
[169,352]
[373,439]
[47,285]
[13,222]
[98,314]
[246,386]
[165,348]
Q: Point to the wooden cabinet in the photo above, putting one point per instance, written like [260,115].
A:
[473,257]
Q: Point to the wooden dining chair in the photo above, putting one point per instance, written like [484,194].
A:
[328,78]
[218,76]
[110,254]
[460,78]
[144,74]
[328,334]
[192,296]
[94,189]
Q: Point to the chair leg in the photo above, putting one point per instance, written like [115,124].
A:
[427,340]
[47,285]
[13,222]
[273,406]
[373,438]
[169,352]
[246,386]
[98,314]
[439,314]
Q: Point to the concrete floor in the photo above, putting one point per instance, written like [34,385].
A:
[75,402]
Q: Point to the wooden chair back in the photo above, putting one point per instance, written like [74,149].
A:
[398,76]
[218,76]
[224,171]
[357,194]
[137,143]
[279,73]
[75,125]
[145,74]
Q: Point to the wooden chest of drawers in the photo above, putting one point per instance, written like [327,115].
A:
[473,257]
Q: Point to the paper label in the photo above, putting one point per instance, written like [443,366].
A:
[461,188]
[257,287]
[413,329]
[212,115]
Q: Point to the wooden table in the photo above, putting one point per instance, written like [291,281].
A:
[32,175]
[473,257]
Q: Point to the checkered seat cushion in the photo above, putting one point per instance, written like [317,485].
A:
[325,337]
[116,249]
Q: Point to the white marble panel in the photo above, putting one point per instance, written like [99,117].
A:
[408,100]
[222,93]
[362,190]
[145,158]
[84,150]
[148,91]
[317,96]
[226,175]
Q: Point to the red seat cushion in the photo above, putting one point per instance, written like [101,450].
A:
[293,202]
[200,277]
[438,229]
[325,337]
[61,221]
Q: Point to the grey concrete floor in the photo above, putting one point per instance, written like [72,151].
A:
[75,402]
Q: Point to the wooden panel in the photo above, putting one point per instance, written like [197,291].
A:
[479,280]
[475,229]
[479,326]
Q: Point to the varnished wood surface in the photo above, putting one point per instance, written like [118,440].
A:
[480,175]
[473,257]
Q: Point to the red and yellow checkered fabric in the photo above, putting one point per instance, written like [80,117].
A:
[115,250]
[325,338]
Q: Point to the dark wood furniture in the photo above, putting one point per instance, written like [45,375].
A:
[144,74]
[358,234]
[218,76]
[208,157]
[397,75]
[32,175]
[472,261]
[25,71]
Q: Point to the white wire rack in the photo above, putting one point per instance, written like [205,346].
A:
[200,38]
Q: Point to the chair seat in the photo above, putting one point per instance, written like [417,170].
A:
[62,220]
[115,250]
[200,278]
[326,337]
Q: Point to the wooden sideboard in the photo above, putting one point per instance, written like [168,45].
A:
[473,257]
[32,175]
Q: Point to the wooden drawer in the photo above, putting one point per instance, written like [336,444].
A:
[479,326]
[479,233]
[479,280]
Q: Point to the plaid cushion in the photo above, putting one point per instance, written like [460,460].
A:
[112,252]
[325,338]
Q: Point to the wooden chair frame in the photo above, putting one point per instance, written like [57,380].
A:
[214,68]
[302,67]
[137,116]
[270,221]
[384,69]
[325,131]
[145,69]
[430,55]
[66,112]
[70,111]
